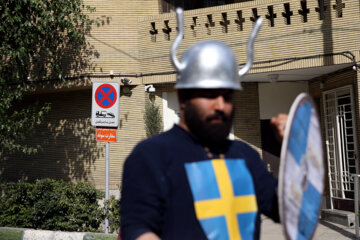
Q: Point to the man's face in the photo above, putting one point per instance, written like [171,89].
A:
[208,115]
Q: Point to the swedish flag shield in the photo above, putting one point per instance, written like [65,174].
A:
[224,198]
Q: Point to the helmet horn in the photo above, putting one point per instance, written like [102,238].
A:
[250,48]
[180,22]
[195,72]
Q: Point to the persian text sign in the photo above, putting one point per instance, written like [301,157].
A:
[106,134]
[105,104]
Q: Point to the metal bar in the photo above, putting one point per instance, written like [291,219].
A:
[354,129]
[333,109]
[107,185]
[356,203]
[340,151]
[328,133]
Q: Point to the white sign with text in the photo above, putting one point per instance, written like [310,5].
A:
[105,104]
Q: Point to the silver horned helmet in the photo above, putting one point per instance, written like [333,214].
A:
[209,64]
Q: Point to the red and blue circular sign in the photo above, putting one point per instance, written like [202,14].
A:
[105,96]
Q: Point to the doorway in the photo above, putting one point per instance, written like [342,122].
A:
[340,146]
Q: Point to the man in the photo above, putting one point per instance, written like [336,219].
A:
[191,182]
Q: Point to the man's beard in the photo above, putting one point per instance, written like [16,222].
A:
[212,135]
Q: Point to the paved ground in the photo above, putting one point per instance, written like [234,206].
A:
[269,231]
[325,231]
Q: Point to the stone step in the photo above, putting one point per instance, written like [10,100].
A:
[341,217]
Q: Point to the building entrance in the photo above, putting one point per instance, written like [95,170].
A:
[340,146]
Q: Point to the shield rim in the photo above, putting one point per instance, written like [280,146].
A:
[300,100]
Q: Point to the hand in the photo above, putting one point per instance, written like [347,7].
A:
[278,124]
[148,236]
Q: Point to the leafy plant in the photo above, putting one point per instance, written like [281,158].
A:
[152,118]
[113,215]
[51,205]
[39,40]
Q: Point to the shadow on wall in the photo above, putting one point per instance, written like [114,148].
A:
[73,57]
[67,139]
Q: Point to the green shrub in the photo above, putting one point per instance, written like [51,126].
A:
[152,118]
[113,214]
[51,205]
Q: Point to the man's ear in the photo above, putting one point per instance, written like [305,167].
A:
[182,99]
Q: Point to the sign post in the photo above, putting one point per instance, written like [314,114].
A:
[107,184]
[105,114]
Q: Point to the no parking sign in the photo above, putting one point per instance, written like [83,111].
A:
[105,104]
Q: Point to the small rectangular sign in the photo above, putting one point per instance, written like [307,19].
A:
[105,104]
[106,134]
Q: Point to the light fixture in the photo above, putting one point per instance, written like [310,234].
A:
[149,88]
[126,90]
[111,73]
[126,81]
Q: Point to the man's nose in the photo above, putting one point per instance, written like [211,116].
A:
[219,103]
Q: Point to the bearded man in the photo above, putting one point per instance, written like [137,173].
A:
[192,182]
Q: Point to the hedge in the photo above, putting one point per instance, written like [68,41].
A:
[51,205]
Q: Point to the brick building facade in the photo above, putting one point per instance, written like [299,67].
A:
[303,45]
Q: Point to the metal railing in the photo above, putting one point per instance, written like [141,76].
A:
[356,204]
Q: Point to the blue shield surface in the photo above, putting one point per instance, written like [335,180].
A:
[301,171]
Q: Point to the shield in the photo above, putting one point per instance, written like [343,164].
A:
[301,171]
